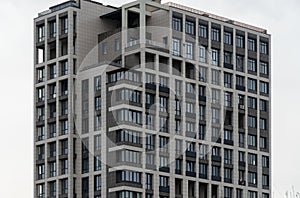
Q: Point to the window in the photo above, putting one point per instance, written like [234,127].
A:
[104,48]
[41,94]
[64,67]
[239,41]
[252,178]
[190,146]
[163,81]
[263,144]
[265,195]
[239,193]
[239,63]
[64,186]
[150,159]
[252,84]
[163,124]
[64,127]
[163,144]
[64,107]
[252,194]
[252,159]
[263,124]
[189,47]
[203,31]
[40,75]
[251,65]
[252,44]
[190,127]
[41,190]
[117,45]
[228,38]
[128,194]
[52,169]
[241,156]
[190,107]
[190,88]
[190,27]
[215,115]
[228,175]
[202,90]
[97,182]
[215,77]
[129,156]
[64,25]
[263,68]
[216,171]
[240,81]
[177,127]
[227,192]
[215,34]
[202,74]
[97,122]
[227,135]
[265,161]
[263,87]
[202,54]
[52,149]
[150,142]
[202,132]
[149,181]
[64,167]
[252,103]
[64,88]
[97,143]
[150,119]
[163,181]
[202,112]
[133,76]
[203,170]
[176,47]
[214,57]
[227,80]
[129,176]
[41,113]
[265,180]
[228,99]
[128,95]
[40,152]
[163,161]
[252,140]
[41,33]
[176,24]
[227,156]
[177,108]
[227,58]
[215,96]
[178,88]
[190,166]
[203,151]
[150,99]
[52,130]
[263,47]
[97,163]
[178,147]
[128,115]
[52,189]
[40,133]
[41,171]
[241,140]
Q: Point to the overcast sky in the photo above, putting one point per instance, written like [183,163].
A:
[280,17]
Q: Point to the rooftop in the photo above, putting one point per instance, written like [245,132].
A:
[223,19]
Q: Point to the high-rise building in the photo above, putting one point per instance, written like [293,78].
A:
[150,100]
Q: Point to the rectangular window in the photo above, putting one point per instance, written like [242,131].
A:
[252,121]
[215,116]
[189,47]
[215,57]
[190,27]
[202,74]
[252,84]
[176,24]
[265,162]
[263,47]
[252,140]
[263,105]
[252,65]
[52,71]
[202,112]
[163,144]
[265,180]
[241,140]
[215,96]
[163,124]
[252,159]
[227,156]
[252,178]
[251,44]
[203,31]
[263,68]
[239,41]
[215,77]
[52,29]
[202,54]
[215,34]
[263,124]
[176,47]
[264,87]
[64,25]
[252,103]
[104,48]
[239,63]
[97,182]
[228,38]
[117,45]
[228,99]
[227,58]
[240,81]
[227,80]
[263,143]
[41,33]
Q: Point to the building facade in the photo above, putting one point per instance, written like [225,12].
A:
[150,100]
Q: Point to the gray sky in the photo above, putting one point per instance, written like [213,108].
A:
[279,17]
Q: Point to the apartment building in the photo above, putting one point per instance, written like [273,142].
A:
[150,100]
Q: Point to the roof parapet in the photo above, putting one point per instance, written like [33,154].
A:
[213,16]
